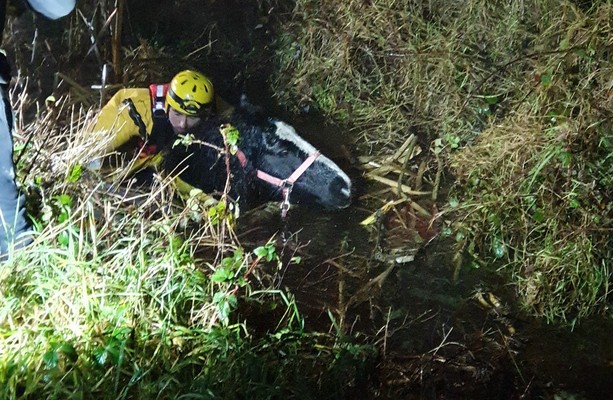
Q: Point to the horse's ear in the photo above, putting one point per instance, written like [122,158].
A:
[249,107]
[244,101]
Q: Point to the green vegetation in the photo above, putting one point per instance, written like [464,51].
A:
[520,92]
[128,294]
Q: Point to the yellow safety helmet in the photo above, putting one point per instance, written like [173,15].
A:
[190,93]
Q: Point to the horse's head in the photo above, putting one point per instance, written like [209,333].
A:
[286,161]
[272,157]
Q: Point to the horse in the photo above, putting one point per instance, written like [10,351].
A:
[272,162]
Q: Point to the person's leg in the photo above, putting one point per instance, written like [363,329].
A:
[14,229]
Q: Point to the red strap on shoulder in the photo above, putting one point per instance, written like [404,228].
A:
[157,92]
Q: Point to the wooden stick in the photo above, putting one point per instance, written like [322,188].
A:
[116,41]
[420,175]
[402,149]
[437,178]
[405,189]
[405,164]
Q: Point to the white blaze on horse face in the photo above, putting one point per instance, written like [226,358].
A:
[287,132]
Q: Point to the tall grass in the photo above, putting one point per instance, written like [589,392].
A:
[542,174]
[519,93]
[132,293]
[387,67]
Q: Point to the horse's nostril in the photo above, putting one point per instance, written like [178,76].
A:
[341,188]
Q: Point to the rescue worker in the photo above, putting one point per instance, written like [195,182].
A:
[15,231]
[142,122]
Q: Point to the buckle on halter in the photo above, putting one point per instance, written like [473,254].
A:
[285,205]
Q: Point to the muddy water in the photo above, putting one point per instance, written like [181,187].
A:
[436,339]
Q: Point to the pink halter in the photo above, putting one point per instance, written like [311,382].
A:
[287,184]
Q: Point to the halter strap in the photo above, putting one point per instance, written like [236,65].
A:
[287,184]
[293,177]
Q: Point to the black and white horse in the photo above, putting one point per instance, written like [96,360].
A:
[273,163]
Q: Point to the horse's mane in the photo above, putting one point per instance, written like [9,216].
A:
[201,164]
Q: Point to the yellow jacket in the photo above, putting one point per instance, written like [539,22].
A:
[114,120]
[121,133]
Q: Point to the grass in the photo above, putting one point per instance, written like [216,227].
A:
[126,295]
[552,242]
[127,310]
[543,173]
[132,293]
[386,67]
[519,93]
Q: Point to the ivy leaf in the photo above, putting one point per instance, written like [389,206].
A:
[69,351]
[221,275]
[232,300]
[260,251]
[64,200]
[218,297]
[223,309]
[113,351]
[231,135]
[100,355]
[63,238]
[51,359]
[63,217]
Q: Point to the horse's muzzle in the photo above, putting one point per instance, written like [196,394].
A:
[340,192]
